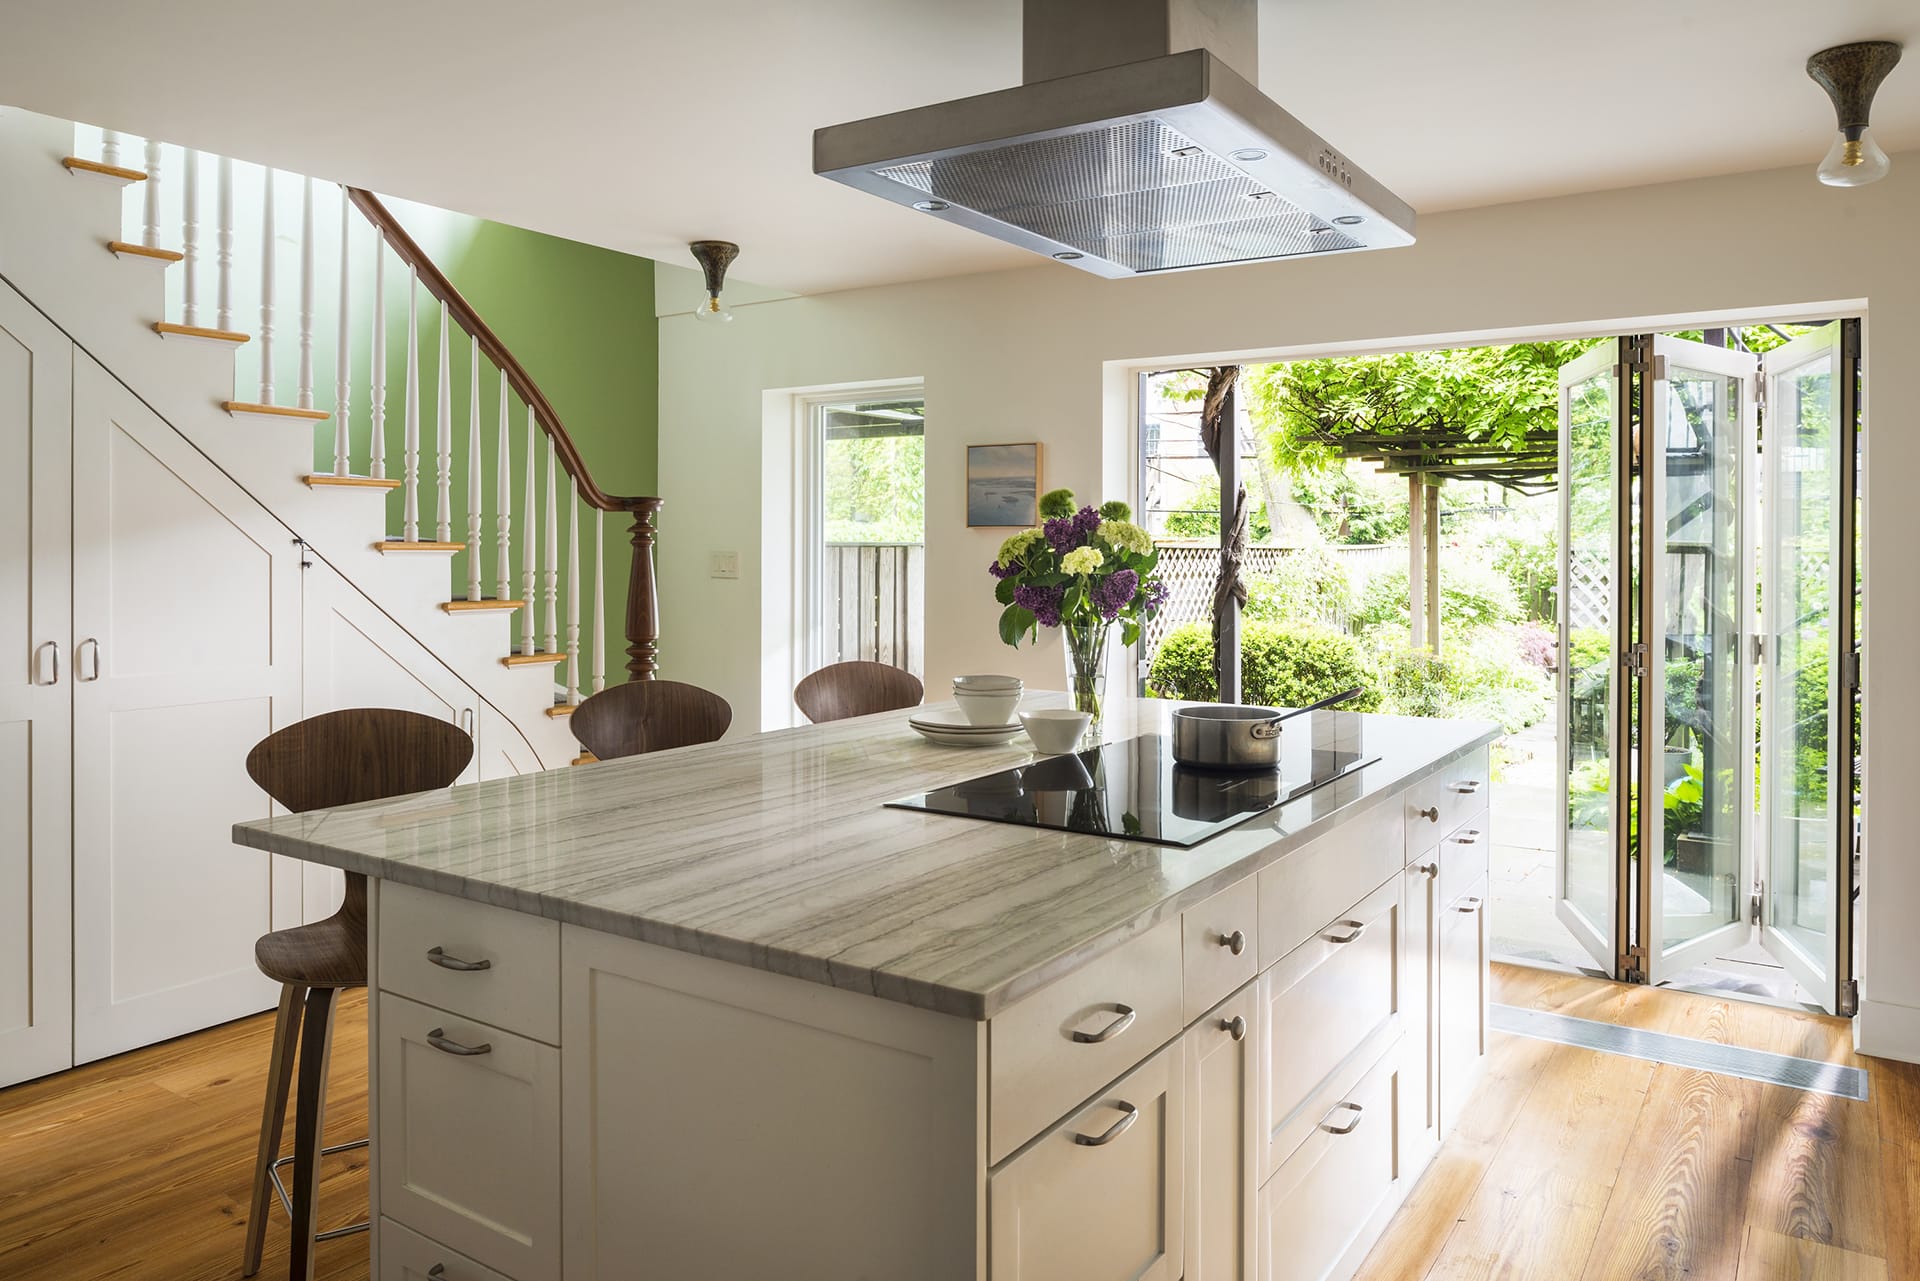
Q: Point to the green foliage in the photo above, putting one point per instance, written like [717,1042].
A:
[1588,648]
[1416,681]
[1473,593]
[1353,509]
[1200,518]
[1527,554]
[875,489]
[1114,509]
[1183,665]
[1480,676]
[1279,666]
[1309,585]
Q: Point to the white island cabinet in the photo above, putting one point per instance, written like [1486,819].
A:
[627,1025]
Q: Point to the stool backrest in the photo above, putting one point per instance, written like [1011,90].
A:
[856,688]
[359,754]
[649,716]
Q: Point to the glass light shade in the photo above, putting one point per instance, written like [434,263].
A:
[1854,163]
[713,310]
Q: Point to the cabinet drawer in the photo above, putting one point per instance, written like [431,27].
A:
[1219,943]
[1331,1002]
[1463,999]
[485,963]
[1053,1049]
[1100,1196]
[1438,805]
[1315,1213]
[405,1255]
[1463,857]
[469,1139]
[1321,879]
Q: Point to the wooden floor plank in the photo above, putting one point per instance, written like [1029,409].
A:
[1770,1256]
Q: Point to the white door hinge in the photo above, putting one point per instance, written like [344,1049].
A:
[1753,904]
[1848,998]
[1850,672]
[1759,649]
[1635,659]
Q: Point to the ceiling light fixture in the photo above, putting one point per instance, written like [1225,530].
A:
[1850,73]
[930,206]
[714,257]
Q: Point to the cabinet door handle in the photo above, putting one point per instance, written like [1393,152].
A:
[1430,870]
[440,958]
[1431,813]
[1467,838]
[1465,787]
[1354,930]
[1235,942]
[1130,1114]
[438,1040]
[1349,1127]
[46,645]
[1127,1015]
[1469,905]
[95,668]
[437,1271]
[1235,1027]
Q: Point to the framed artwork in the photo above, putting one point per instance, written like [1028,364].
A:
[1003,485]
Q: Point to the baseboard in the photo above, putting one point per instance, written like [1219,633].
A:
[1887,1031]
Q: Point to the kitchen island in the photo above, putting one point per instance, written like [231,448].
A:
[717,1013]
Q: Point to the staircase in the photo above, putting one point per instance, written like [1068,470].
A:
[475,527]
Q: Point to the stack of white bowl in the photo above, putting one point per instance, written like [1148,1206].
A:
[987,700]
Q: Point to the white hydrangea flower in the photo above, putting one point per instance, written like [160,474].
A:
[1016,546]
[1125,535]
[1082,560]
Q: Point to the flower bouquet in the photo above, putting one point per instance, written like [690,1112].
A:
[1081,571]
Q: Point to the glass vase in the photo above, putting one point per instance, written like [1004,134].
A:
[1086,649]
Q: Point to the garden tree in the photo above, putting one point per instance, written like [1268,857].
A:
[875,489]
[1189,386]
[1201,518]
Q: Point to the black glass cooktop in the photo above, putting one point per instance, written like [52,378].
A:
[1133,790]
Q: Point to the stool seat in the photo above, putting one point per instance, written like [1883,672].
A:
[329,953]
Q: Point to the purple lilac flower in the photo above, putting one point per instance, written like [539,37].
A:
[1112,595]
[1156,597]
[1085,521]
[998,570]
[1061,534]
[1043,602]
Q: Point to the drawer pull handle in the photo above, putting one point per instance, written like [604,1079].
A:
[437,1271]
[1235,1027]
[1431,813]
[1349,1127]
[445,962]
[1235,942]
[1127,1015]
[1467,838]
[438,1040]
[1468,905]
[37,649]
[1354,930]
[1114,1131]
[1465,787]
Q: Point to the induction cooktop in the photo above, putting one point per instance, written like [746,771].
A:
[1133,790]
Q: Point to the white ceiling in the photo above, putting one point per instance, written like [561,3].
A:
[641,125]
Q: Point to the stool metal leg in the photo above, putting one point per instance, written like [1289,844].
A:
[286,1037]
[316,1044]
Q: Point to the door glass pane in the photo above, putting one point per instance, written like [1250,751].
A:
[1800,462]
[1587,650]
[873,462]
[1704,728]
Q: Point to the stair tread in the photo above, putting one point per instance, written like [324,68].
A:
[486,604]
[533,659]
[126,248]
[416,545]
[75,164]
[562,709]
[274,411]
[165,328]
[321,480]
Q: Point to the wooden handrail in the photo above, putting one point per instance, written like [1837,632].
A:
[643,609]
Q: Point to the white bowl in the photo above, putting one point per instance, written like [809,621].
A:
[987,707]
[984,684]
[1055,730]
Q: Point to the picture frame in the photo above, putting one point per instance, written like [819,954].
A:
[1003,485]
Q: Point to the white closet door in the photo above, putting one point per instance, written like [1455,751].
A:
[186,625]
[36,997]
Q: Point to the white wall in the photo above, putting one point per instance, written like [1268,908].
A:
[1037,354]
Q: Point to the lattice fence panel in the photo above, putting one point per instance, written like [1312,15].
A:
[1589,591]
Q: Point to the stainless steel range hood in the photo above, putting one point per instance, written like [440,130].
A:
[1130,150]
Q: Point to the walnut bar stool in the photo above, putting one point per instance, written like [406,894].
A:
[649,716]
[338,758]
[856,688]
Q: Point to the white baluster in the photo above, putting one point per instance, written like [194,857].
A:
[223,247]
[150,189]
[550,573]
[599,600]
[503,503]
[110,147]
[529,544]
[573,592]
[443,444]
[190,241]
[343,349]
[474,514]
[410,448]
[266,291]
[377,364]
[304,383]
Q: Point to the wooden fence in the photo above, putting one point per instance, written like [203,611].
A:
[873,601]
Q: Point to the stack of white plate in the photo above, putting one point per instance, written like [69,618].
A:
[950,728]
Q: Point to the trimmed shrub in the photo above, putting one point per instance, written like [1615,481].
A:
[1279,666]
[1183,665]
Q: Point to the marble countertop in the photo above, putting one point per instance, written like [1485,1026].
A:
[774,851]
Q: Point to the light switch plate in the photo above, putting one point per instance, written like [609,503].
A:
[724,565]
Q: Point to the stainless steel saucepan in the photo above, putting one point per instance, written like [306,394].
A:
[1230,736]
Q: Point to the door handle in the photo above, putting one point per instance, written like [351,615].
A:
[1428,870]
[1354,930]
[1465,787]
[46,645]
[1127,1015]
[1235,1027]
[438,1040]
[1358,1114]
[1235,942]
[1431,813]
[78,675]
[1114,1131]
[440,958]
[1468,905]
[1470,837]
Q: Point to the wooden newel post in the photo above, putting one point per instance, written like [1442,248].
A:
[643,602]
